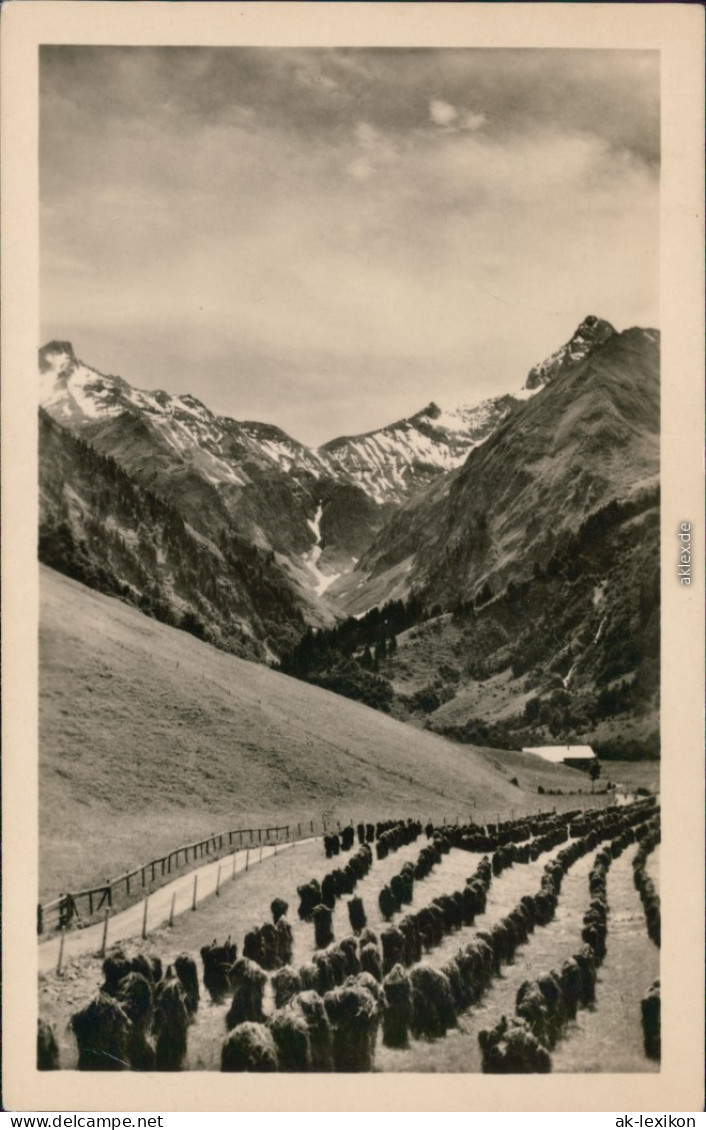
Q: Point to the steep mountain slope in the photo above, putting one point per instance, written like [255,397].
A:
[569,655]
[220,474]
[99,526]
[589,436]
[149,737]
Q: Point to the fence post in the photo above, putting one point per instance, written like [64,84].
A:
[144,917]
[143,876]
[61,952]
[196,883]
[40,919]
[171,909]
[235,856]
[311,822]
[104,942]
[260,859]
[127,884]
[90,902]
[275,847]
[218,880]
[247,858]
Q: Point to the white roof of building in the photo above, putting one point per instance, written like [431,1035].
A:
[559,753]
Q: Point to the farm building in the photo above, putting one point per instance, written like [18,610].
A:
[575,756]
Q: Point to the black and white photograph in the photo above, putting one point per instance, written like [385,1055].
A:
[350,551]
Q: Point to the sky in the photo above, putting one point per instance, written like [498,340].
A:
[329,239]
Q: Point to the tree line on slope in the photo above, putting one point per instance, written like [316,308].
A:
[348,658]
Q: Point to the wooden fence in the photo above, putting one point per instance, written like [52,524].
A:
[70,905]
[60,912]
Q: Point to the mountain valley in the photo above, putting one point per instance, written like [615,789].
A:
[526,528]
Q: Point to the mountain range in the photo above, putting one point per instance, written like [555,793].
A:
[238,532]
[316,509]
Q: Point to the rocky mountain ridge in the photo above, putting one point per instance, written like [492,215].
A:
[318,509]
[591,437]
[591,333]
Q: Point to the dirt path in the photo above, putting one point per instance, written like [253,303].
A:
[129,923]
[609,1036]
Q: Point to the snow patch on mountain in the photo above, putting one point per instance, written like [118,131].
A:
[391,463]
[321,580]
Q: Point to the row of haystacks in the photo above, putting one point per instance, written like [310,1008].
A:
[140,1016]
[650,1006]
[544,1005]
[335,1031]
[397,835]
[493,837]
[423,1002]
[341,881]
[336,842]
[271,945]
[510,842]
[644,884]
[399,891]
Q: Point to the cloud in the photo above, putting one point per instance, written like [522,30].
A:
[367,245]
[449,118]
[442,113]
[472,121]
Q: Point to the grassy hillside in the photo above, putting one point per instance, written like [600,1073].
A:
[149,737]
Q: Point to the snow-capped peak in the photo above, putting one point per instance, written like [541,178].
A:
[591,333]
